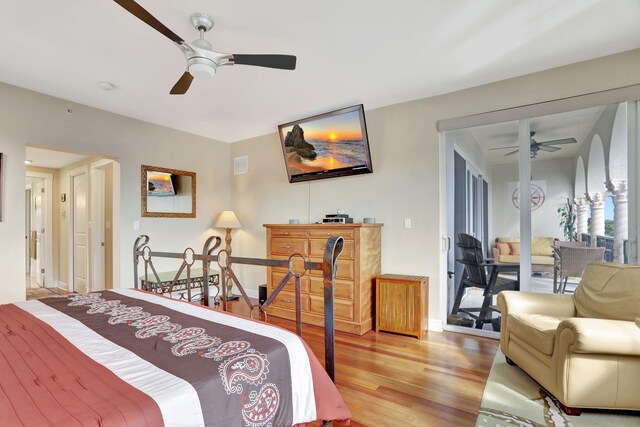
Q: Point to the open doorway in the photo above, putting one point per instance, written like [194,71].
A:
[77,203]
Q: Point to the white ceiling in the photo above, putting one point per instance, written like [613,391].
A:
[573,124]
[349,51]
[52,159]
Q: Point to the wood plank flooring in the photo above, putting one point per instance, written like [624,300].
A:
[394,380]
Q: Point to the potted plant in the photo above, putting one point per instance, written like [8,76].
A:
[568,221]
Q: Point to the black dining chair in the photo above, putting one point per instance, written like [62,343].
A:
[478,273]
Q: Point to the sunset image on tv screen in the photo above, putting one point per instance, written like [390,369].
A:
[159,184]
[325,144]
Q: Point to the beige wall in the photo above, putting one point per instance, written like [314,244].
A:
[28,117]
[406,182]
[505,218]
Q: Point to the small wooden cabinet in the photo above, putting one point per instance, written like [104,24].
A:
[358,265]
[402,304]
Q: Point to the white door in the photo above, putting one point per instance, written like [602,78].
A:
[80,222]
[27,229]
[38,226]
[97,227]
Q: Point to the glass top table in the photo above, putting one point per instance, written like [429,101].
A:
[163,286]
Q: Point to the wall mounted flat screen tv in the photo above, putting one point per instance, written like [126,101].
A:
[327,145]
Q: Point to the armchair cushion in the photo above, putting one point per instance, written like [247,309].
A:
[515,248]
[539,330]
[542,246]
[609,291]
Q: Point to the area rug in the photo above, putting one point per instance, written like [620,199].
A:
[512,398]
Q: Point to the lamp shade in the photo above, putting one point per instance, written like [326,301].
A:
[227,219]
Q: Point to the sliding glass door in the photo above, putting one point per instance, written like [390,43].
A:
[525,190]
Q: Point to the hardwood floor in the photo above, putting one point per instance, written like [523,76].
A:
[394,380]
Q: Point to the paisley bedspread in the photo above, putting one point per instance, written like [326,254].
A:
[131,358]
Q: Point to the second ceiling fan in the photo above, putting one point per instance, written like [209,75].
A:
[202,60]
[536,146]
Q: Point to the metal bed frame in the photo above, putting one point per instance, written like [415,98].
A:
[328,267]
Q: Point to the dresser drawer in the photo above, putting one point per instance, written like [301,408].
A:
[342,309]
[288,300]
[325,233]
[288,246]
[345,269]
[298,266]
[277,276]
[317,248]
[341,289]
[302,233]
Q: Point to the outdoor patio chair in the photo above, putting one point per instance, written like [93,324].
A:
[556,259]
[573,261]
[479,274]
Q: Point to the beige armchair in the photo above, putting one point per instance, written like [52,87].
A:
[584,348]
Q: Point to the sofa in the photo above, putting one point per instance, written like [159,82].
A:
[584,348]
[507,249]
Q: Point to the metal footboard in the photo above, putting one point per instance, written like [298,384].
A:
[225,262]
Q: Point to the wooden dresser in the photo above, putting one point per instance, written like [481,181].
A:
[358,265]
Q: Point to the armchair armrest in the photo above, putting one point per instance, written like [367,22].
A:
[496,254]
[536,303]
[602,336]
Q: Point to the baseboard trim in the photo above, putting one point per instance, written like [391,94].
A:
[435,325]
[61,285]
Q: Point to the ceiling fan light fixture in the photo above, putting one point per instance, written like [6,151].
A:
[202,71]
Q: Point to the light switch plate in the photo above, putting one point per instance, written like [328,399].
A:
[407,223]
[136,225]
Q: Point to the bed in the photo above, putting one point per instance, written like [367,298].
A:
[129,357]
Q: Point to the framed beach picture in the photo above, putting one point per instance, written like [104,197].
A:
[327,145]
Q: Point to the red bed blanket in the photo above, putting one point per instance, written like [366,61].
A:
[131,358]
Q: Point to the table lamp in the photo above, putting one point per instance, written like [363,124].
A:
[228,220]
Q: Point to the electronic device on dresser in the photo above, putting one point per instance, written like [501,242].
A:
[358,266]
[338,218]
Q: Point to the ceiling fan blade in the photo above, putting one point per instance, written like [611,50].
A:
[503,148]
[548,148]
[513,152]
[142,14]
[182,85]
[282,62]
[560,141]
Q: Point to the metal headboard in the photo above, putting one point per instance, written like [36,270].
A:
[328,267]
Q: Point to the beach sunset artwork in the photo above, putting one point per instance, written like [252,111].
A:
[327,143]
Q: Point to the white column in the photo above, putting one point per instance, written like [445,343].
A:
[581,216]
[620,218]
[596,200]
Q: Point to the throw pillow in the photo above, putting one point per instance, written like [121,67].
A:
[515,248]
[504,248]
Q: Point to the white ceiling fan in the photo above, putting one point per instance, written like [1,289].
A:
[536,146]
[202,60]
